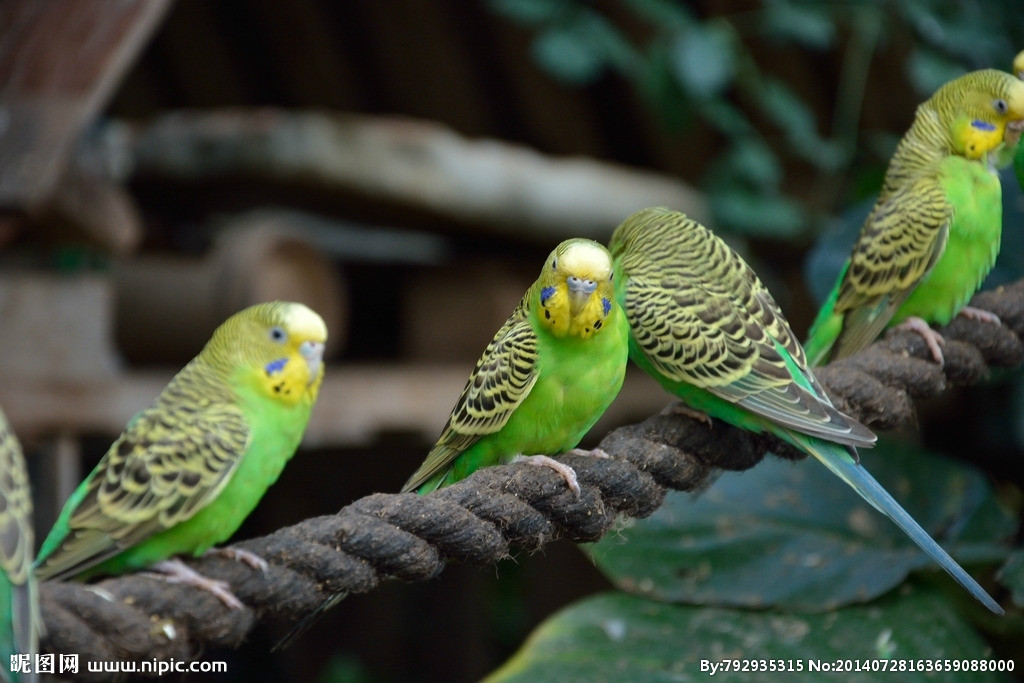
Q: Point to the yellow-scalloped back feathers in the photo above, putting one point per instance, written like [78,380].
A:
[19,603]
[16,535]
[703,324]
[187,470]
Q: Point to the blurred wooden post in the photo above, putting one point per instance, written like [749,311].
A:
[167,306]
[56,470]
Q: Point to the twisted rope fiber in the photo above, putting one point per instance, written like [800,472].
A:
[476,521]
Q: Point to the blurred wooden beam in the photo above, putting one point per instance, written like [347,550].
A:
[418,164]
[357,402]
[59,63]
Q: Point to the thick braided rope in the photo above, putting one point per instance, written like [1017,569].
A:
[478,520]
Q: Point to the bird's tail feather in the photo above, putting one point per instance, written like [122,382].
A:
[842,464]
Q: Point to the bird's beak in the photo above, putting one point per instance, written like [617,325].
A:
[1013,131]
[313,353]
[579,293]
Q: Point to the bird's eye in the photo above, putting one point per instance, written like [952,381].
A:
[278,335]
[554,264]
[999,104]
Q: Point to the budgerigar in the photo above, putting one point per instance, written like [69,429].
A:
[189,469]
[550,372]
[19,606]
[703,325]
[934,232]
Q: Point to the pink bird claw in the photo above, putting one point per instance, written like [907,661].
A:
[592,453]
[241,555]
[176,571]
[980,314]
[932,339]
[680,408]
[566,472]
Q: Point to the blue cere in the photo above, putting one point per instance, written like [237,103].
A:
[276,366]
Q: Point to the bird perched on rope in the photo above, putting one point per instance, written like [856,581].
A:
[188,470]
[550,372]
[934,232]
[706,328]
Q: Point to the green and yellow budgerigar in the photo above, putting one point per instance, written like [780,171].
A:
[550,372]
[934,232]
[702,324]
[189,469]
[19,603]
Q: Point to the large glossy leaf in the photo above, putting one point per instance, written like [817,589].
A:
[791,534]
[616,637]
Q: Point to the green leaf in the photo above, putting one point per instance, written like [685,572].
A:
[660,88]
[533,12]
[927,70]
[791,534]
[578,48]
[1012,576]
[665,14]
[755,163]
[567,55]
[728,119]
[702,59]
[805,24]
[613,637]
[786,109]
[752,213]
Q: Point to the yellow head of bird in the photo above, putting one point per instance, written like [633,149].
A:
[1018,65]
[279,345]
[575,289]
[982,110]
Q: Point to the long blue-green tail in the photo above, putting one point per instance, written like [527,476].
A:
[839,460]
